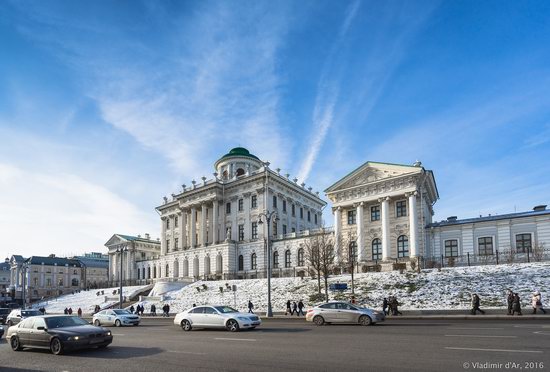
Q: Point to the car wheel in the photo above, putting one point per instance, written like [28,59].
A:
[97,323]
[318,320]
[56,346]
[14,342]
[117,323]
[186,325]
[365,320]
[232,325]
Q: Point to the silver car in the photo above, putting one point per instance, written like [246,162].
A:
[216,317]
[17,315]
[116,317]
[343,312]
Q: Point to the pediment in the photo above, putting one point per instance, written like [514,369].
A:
[115,239]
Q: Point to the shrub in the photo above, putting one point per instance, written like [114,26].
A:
[316,297]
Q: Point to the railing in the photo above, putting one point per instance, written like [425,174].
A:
[304,233]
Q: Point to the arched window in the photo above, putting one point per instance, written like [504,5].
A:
[219,264]
[287,258]
[240,172]
[176,271]
[167,272]
[402,246]
[196,266]
[207,265]
[275,259]
[143,273]
[301,257]
[376,249]
[149,272]
[186,267]
[154,271]
[241,263]
[253,261]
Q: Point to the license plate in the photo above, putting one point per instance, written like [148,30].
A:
[96,341]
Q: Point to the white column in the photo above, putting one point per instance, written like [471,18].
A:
[413,225]
[215,222]
[337,231]
[247,227]
[360,243]
[193,229]
[385,229]
[234,223]
[183,228]
[163,236]
[203,225]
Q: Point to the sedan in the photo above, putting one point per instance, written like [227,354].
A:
[57,333]
[216,317]
[116,317]
[1,331]
[343,312]
[18,315]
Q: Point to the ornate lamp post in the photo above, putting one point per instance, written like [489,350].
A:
[121,251]
[268,216]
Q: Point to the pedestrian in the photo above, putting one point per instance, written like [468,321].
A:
[250,307]
[79,312]
[288,308]
[194,305]
[516,305]
[510,301]
[66,311]
[167,310]
[395,306]
[300,308]
[353,299]
[385,306]
[132,309]
[153,310]
[475,304]
[70,311]
[536,302]
[294,308]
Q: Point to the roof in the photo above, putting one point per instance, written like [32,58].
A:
[59,261]
[489,218]
[91,262]
[5,266]
[18,258]
[238,152]
[131,238]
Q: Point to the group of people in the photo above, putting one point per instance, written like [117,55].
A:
[294,308]
[69,311]
[514,303]
[390,305]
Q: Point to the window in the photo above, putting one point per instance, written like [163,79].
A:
[308,216]
[485,246]
[139,274]
[284,229]
[228,208]
[254,201]
[284,206]
[402,246]
[293,210]
[60,282]
[301,257]
[376,249]
[148,273]
[176,221]
[275,259]
[352,217]
[274,227]
[75,272]
[401,208]
[35,282]
[274,201]
[253,261]
[241,262]
[293,230]
[375,213]
[287,258]
[352,252]
[301,213]
[523,243]
[74,282]
[167,270]
[167,223]
[240,172]
[315,218]
[167,243]
[254,230]
[451,248]
[241,205]
[241,233]
[176,240]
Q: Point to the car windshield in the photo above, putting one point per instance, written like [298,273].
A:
[122,312]
[25,313]
[225,309]
[65,321]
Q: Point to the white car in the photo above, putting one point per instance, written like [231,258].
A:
[116,317]
[216,317]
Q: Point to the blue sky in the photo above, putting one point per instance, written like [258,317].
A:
[107,106]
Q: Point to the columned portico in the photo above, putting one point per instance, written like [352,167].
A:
[413,225]
[246,201]
[183,229]
[337,231]
[163,240]
[360,241]
[193,229]
[215,222]
[385,216]
[203,225]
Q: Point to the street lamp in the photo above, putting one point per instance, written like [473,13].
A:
[121,251]
[268,216]
[24,268]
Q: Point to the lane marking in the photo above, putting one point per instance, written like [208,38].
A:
[185,352]
[495,350]
[235,339]
[532,326]
[472,328]
[546,333]
[118,334]
[481,336]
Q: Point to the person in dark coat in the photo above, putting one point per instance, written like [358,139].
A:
[510,301]
[132,309]
[475,304]
[153,310]
[167,310]
[66,311]
[250,307]
[385,306]
[288,310]
[70,311]
[300,308]
[516,305]
[294,308]
[79,312]
[394,306]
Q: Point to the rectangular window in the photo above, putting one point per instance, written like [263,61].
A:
[168,244]
[308,216]
[284,206]
[401,208]
[167,223]
[228,208]
[176,221]
[485,246]
[48,282]
[284,229]
[375,213]
[241,233]
[274,228]
[315,215]
[254,201]
[301,213]
[241,205]
[274,201]
[293,210]
[523,243]
[451,248]
[293,230]
[254,230]
[352,215]
[176,240]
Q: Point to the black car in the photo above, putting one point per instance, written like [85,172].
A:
[4,312]
[59,333]
[1,331]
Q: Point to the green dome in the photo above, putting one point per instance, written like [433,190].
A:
[239,151]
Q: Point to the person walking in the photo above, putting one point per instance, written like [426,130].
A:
[510,301]
[385,306]
[70,311]
[132,309]
[167,310]
[516,305]
[79,312]
[294,308]
[475,304]
[300,308]
[66,311]
[250,307]
[395,306]
[153,310]
[288,310]
[536,302]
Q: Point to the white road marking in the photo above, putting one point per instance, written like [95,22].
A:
[185,352]
[481,336]
[496,350]
[546,333]
[472,328]
[234,339]
[118,334]
[532,326]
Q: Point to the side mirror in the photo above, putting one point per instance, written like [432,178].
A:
[19,315]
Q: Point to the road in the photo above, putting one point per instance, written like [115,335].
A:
[294,345]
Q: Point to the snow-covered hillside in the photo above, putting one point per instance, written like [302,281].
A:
[449,288]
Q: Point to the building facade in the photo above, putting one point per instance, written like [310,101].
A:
[95,267]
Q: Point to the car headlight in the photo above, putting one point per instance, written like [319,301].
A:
[108,333]
[73,338]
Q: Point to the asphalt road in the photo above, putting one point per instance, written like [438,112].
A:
[285,345]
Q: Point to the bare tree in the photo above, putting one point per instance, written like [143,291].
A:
[348,254]
[313,258]
[321,256]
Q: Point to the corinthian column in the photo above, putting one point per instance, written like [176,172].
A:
[163,236]
[183,229]
[203,224]
[413,225]
[360,243]
[215,222]
[385,229]
[193,229]
[337,227]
